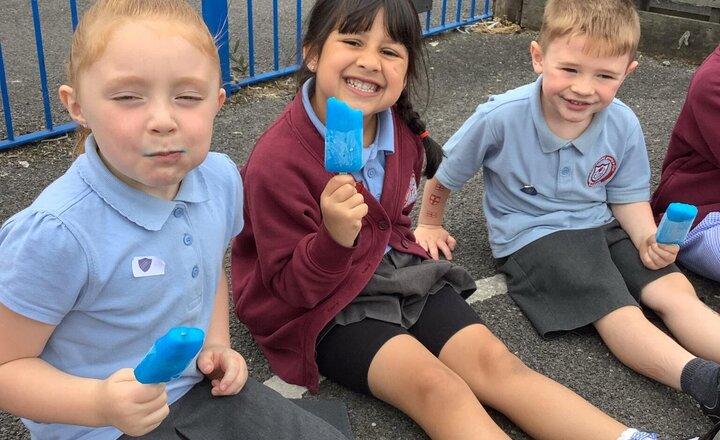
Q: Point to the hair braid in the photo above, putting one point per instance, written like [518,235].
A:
[433,151]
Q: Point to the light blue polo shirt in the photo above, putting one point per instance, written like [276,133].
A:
[536,183]
[114,268]
[372,173]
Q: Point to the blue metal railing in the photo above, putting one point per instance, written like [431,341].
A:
[216,15]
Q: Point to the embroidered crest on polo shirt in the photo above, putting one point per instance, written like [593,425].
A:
[147,266]
[411,195]
[602,171]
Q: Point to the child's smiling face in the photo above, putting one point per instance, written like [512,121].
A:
[150,101]
[576,84]
[366,70]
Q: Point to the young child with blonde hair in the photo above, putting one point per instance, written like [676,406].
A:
[129,243]
[567,183]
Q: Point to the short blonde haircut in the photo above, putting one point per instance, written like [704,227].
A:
[611,27]
[97,25]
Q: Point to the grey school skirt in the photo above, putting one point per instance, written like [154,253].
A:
[569,279]
[399,288]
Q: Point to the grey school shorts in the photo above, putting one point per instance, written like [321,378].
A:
[569,279]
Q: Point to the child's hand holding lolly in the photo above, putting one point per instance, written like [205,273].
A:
[342,203]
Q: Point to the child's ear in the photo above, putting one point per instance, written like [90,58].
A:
[310,60]
[631,68]
[537,56]
[69,99]
[221,98]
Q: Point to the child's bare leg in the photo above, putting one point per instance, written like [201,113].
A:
[406,375]
[694,324]
[539,405]
[640,345]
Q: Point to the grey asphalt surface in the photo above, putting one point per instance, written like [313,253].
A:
[465,68]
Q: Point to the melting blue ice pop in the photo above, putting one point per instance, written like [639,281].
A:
[343,138]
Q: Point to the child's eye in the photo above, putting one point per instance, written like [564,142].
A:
[125,98]
[607,77]
[390,52]
[568,70]
[354,43]
[190,97]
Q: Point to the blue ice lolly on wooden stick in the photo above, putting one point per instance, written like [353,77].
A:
[343,138]
[170,355]
[676,223]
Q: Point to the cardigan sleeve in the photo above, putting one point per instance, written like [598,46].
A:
[298,259]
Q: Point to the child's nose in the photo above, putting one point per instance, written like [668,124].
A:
[582,86]
[161,119]
[369,60]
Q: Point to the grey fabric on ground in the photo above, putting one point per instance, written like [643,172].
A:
[257,413]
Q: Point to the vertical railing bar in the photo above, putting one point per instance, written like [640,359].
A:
[215,14]
[251,39]
[443,13]
[5,98]
[472,8]
[458,11]
[276,39]
[427,20]
[298,32]
[41,65]
[73,14]
[487,7]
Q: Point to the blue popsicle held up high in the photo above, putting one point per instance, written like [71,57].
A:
[343,137]
[170,355]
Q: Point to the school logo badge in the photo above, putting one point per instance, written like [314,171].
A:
[602,171]
[412,192]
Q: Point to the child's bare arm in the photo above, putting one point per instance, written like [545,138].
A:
[637,220]
[34,389]
[430,233]
[225,367]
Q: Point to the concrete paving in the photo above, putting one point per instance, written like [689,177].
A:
[465,67]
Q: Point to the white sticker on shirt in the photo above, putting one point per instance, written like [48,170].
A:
[147,266]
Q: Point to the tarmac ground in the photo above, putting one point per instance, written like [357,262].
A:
[466,67]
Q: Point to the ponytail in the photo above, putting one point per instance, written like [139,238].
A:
[433,151]
[81,135]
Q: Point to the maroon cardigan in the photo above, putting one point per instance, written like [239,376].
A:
[691,170]
[290,278]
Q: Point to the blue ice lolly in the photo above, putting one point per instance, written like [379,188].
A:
[343,138]
[676,223]
[170,355]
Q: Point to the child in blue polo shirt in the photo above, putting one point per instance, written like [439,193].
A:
[567,184]
[129,243]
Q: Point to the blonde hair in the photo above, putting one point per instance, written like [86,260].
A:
[611,27]
[100,21]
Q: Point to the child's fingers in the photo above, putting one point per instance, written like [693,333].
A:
[445,249]
[336,182]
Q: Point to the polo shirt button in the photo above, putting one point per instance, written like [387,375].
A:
[187,239]
[195,272]
[565,171]
[383,225]
[178,212]
[372,172]
[404,243]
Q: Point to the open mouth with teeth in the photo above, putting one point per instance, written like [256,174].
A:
[362,85]
[574,102]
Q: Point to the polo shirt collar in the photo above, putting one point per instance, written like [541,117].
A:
[549,141]
[140,208]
